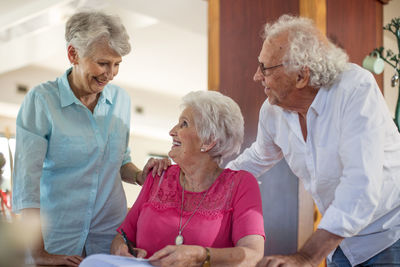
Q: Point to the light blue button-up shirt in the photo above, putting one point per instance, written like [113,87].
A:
[67,163]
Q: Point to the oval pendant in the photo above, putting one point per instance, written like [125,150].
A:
[179,240]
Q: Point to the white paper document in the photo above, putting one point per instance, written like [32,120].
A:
[105,260]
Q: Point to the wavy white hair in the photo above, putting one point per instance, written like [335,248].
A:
[308,48]
[217,118]
[84,29]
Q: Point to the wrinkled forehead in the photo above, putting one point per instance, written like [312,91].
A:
[102,50]
[273,49]
[188,113]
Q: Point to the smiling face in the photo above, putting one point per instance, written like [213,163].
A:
[278,85]
[186,143]
[94,71]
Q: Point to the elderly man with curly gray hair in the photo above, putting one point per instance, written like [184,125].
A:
[328,119]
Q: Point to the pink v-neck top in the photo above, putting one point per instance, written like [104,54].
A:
[230,211]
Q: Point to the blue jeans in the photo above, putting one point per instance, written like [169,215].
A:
[388,257]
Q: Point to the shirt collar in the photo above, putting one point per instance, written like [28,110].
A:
[106,96]
[319,102]
[67,97]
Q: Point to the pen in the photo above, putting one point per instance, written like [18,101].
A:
[128,243]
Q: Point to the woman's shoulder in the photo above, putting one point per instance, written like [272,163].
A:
[239,175]
[43,94]
[43,89]
[239,181]
[164,189]
[170,174]
[173,169]
[221,194]
[168,180]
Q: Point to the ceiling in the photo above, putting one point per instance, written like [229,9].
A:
[168,59]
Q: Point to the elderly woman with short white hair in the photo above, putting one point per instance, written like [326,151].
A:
[197,213]
[72,146]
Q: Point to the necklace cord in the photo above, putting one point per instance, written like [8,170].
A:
[198,206]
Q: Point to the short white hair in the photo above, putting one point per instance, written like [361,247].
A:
[217,118]
[308,48]
[84,29]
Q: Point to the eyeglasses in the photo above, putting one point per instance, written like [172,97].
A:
[263,68]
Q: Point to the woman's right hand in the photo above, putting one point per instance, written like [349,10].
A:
[40,255]
[180,256]
[118,247]
[44,258]
[123,250]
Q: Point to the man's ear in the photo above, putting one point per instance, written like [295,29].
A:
[303,77]
[207,147]
[72,55]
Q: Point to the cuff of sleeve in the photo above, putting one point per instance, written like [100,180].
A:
[339,223]
[17,207]
[254,231]
[126,160]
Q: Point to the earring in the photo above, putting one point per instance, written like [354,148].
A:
[202,149]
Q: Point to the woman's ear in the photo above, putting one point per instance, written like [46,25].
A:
[72,55]
[303,77]
[207,147]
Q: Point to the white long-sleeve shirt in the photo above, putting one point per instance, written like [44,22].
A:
[350,162]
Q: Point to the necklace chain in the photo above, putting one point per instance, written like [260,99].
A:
[180,220]
[179,237]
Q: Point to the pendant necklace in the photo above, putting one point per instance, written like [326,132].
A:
[179,237]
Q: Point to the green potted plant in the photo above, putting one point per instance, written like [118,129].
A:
[393,59]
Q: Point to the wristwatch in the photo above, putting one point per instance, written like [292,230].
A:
[206,262]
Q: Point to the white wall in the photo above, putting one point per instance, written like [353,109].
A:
[390,11]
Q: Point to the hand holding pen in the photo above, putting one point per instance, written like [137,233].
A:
[129,244]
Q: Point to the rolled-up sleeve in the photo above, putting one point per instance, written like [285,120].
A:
[31,145]
[127,155]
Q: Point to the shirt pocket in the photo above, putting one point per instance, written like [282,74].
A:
[116,147]
[327,163]
[67,151]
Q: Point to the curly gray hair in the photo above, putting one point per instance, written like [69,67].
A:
[217,118]
[308,48]
[86,28]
